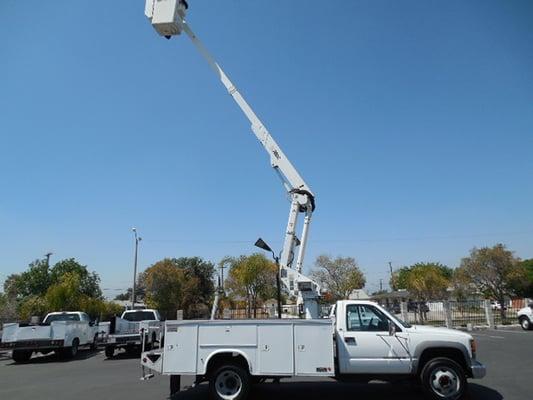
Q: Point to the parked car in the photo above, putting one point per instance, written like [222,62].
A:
[525,317]
[63,332]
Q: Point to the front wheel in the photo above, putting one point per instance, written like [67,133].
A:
[443,379]
[525,323]
[229,382]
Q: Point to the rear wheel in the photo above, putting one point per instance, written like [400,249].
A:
[72,351]
[94,344]
[525,323]
[109,351]
[229,382]
[443,378]
[21,356]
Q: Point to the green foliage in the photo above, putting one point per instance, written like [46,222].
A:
[495,272]
[339,276]
[252,278]
[183,283]
[428,281]
[66,295]
[32,282]
[89,284]
[32,305]
[39,289]
[525,288]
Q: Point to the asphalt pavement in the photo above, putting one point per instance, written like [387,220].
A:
[507,353]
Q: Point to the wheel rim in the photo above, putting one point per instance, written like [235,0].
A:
[525,324]
[445,382]
[228,385]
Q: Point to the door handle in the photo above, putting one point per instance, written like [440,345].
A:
[349,340]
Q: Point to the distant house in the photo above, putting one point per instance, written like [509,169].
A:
[359,294]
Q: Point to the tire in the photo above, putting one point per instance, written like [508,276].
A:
[72,351]
[229,382]
[21,356]
[526,324]
[109,351]
[443,379]
[94,344]
[175,384]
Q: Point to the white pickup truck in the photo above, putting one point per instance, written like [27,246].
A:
[62,332]
[360,342]
[525,317]
[128,331]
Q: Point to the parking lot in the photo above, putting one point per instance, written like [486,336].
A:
[507,353]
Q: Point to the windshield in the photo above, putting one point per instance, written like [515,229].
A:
[61,317]
[139,316]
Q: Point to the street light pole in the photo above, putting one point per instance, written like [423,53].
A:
[262,245]
[137,240]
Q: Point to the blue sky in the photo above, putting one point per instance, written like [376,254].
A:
[411,121]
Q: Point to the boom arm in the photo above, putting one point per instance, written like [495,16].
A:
[168,18]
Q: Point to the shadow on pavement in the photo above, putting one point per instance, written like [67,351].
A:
[125,355]
[338,391]
[56,358]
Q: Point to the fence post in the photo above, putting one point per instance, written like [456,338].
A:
[403,310]
[448,314]
[179,315]
[488,314]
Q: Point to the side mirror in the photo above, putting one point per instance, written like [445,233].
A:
[392,328]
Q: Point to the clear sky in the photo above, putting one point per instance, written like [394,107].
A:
[411,121]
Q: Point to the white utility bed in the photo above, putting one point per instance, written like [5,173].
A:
[271,347]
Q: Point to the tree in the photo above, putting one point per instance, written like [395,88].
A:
[253,278]
[89,281]
[525,288]
[339,276]
[495,272]
[428,281]
[32,282]
[183,283]
[66,294]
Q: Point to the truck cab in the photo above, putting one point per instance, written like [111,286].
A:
[370,340]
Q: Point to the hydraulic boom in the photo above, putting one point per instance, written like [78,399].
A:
[168,19]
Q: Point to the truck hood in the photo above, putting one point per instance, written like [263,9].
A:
[438,331]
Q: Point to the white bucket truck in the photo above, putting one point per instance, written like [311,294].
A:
[62,332]
[360,342]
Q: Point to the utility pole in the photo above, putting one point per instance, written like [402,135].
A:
[393,286]
[381,285]
[222,275]
[137,240]
[47,255]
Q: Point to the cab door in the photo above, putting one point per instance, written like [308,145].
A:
[364,345]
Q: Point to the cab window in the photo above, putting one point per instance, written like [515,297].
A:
[365,318]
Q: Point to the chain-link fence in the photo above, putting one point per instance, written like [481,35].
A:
[458,314]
